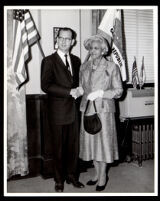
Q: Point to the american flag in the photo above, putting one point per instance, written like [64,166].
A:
[111,29]
[24,35]
[142,76]
[135,78]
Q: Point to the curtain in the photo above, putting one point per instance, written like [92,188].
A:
[17,157]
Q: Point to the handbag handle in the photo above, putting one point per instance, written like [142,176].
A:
[94,104]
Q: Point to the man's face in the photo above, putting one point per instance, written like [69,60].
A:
[64,41]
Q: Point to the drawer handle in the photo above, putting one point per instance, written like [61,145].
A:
[149,103]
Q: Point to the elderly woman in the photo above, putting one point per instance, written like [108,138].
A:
[101,81]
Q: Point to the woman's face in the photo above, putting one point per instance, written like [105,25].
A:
[95,50]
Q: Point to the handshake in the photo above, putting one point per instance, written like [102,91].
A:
[77,92]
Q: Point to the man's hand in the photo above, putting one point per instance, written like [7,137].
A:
[73,93]
[76,92]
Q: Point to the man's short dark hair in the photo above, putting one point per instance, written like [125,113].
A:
[67,29]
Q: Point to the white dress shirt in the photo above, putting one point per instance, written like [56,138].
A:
[61,54]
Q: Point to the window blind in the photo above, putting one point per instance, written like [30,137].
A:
[138,28]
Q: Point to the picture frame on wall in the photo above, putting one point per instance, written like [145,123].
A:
[55,33]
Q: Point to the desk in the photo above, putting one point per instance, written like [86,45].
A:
[138,138]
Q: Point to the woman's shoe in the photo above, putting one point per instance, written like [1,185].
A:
[91,183]
[101,188]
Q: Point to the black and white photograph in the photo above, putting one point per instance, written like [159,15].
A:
[80,101]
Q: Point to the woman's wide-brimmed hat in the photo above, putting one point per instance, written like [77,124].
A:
[104,42]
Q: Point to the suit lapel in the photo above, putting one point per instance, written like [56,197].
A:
[59,60]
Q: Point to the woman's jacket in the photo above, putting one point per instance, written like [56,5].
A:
[106,77]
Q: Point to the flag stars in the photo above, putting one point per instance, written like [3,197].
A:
[19,15]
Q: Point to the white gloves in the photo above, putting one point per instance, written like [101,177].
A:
[96,94]
[77,92]
[80,91]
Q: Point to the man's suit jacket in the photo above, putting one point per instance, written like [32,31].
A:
[57,82]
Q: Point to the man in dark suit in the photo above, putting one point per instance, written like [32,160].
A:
[60,80]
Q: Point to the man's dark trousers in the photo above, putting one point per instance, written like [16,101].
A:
[65,150]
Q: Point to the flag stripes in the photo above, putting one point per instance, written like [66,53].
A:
[135,78]
[25,34]
[111,29]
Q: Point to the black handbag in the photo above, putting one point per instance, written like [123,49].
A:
[92,123]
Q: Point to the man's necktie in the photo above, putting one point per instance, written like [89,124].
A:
[67,64]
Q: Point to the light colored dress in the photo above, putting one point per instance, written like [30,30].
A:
[103,146]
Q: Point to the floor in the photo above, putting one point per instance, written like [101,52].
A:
[124,178]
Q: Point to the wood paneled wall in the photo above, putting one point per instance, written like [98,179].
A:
[39,137]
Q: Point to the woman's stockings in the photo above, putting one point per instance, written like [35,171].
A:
[100,172]
[96,165]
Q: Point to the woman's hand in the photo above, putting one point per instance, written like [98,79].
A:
[80,91]
[96,94]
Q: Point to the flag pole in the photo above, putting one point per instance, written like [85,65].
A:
[87,57]
[40,48]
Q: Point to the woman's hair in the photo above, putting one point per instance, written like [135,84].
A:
[97,38]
